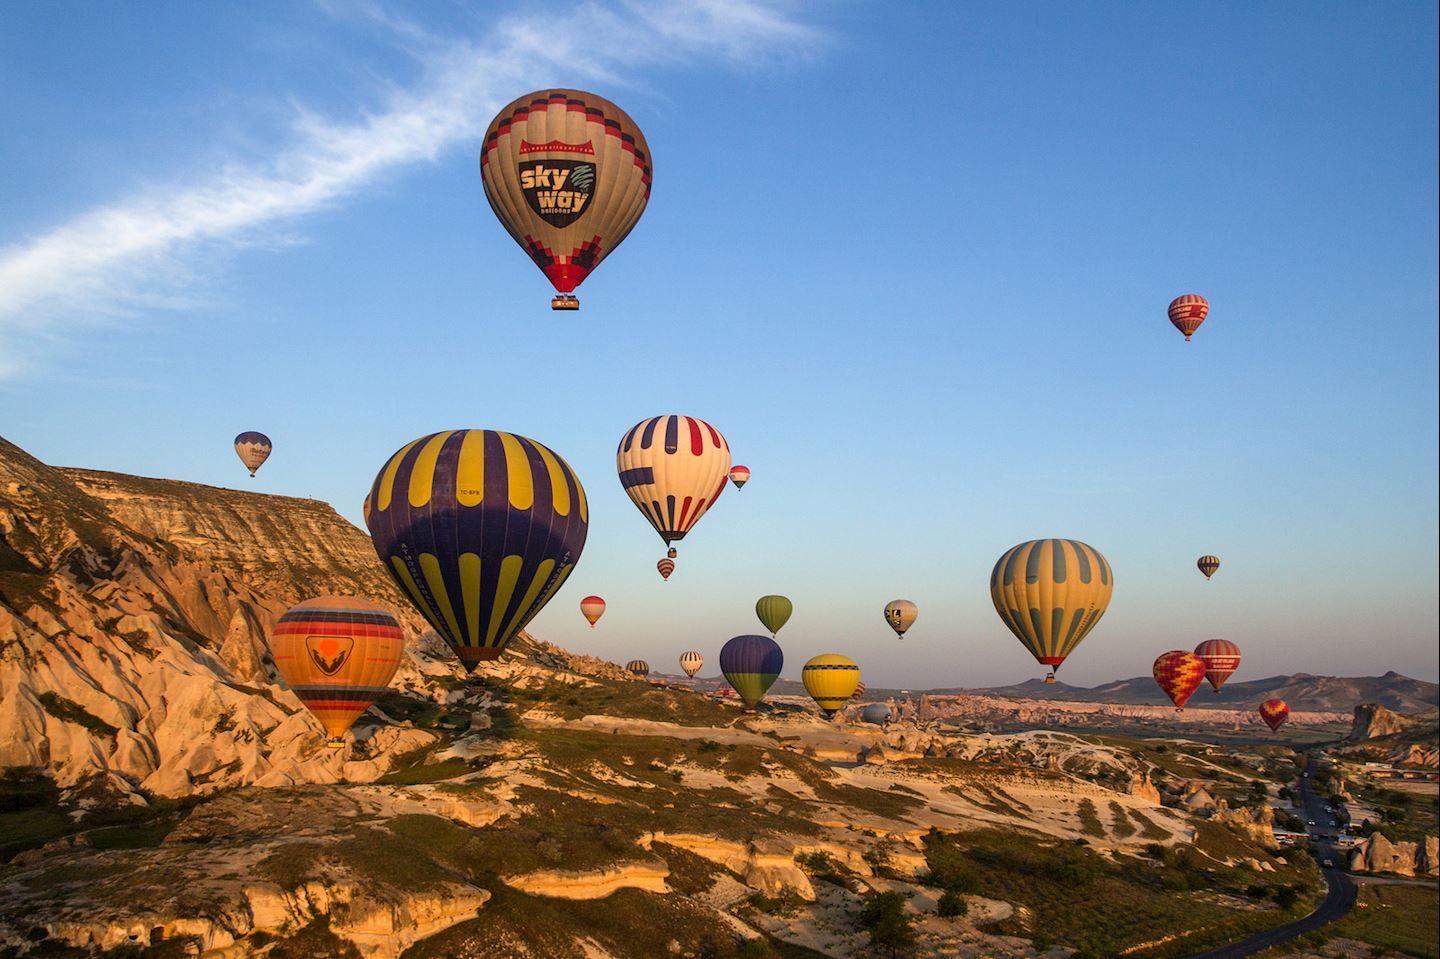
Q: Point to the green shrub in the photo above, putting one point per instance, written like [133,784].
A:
[952,904]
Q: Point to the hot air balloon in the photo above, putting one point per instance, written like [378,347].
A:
[877,714]
[638,667]
[338,655]
[592,608]
[751,664]
[666,567]
[568,174]
[859,691]
[774,612]
[1275,712]
[739,475]
[673,468]
[1222,658]
[900,614]
[830,679]
[1179,673]
[1051,593]
[479,529]
[1188,312]
[253,449]
[691,663]
[1208,564]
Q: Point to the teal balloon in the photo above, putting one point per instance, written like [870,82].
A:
[774,612]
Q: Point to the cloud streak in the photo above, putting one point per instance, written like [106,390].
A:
[140,252]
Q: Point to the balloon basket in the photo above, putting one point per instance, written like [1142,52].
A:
[564,302]
[335,744]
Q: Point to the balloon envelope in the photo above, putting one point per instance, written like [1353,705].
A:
[592,608]
[774,612]
[1222,658]
[1208,565]
[666,567]
[739,475]
[859,691]
[751,664]
[1179,673]
[479,529]
[830,679]
[638,667]
[568,174]
[900,614]
[338,655]
[1188,312]
[673,468]
[691,663]
[253,449]
[1050,593]
[1275,712]
[876,714]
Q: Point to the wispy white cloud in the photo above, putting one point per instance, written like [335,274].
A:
[143,251]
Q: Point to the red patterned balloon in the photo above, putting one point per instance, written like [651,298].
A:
[1275,712]
[666,567]
[1179,673]
[1188,312]
[1222,658]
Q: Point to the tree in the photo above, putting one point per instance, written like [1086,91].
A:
[952,905]
[883,915]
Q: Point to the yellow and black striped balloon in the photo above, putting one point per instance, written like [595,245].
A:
[830,679]
[1051,593]
[479,529]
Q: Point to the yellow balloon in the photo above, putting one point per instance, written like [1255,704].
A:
[1051,593]
[830,679]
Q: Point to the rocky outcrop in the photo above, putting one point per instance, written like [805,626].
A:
[1378,854]
[1199,800]
[1141,786]
[764,864]
[649,876]
[1416,756]
[1372,721]
[1255,822]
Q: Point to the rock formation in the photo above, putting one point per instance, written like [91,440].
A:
[1378,854]
[1140,785]
[1372,721]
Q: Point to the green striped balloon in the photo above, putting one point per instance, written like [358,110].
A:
[774,612]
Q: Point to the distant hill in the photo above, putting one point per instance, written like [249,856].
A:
[1302,691]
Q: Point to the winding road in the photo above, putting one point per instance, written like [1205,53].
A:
[1339,888]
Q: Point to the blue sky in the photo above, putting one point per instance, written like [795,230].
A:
[915,268]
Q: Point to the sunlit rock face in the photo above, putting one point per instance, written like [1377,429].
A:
[1378,854]
[133,617]
[1372,721]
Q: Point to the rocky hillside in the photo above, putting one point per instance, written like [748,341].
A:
[133,616]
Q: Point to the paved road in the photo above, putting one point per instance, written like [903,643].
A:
[1339,888]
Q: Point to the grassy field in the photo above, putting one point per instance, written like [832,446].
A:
[1405,919]
[1082,900]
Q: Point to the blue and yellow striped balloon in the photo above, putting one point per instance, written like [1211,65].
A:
[1051,593]
[479,529]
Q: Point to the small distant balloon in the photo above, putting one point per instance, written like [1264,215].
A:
[638,667]
[739,475]
[900,614]
[1208,564]
[1275,713]
[666,567]
[253,449]
[856,696]
[1188,312]
[1179,673]
[691,663]
[1222,658]
[830,679]
[592,608]
[774,612]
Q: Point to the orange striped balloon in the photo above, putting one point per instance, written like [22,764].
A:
[592,608]
[338,655]
[1179,673]
[1222,658]
[1188,312]
[1208,564]
[666,567]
